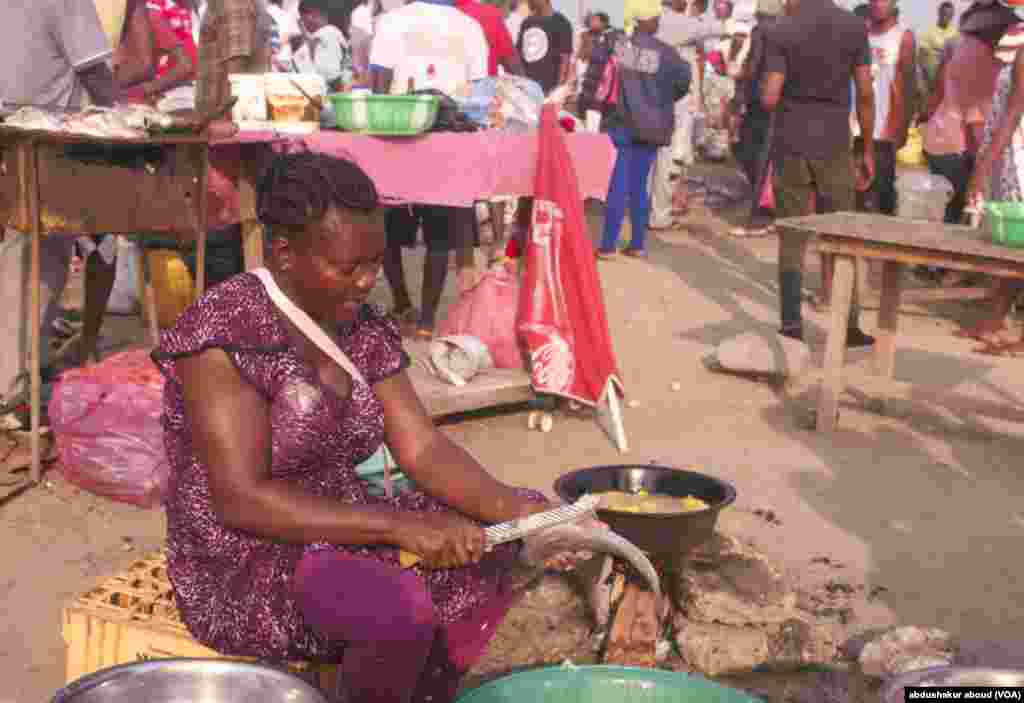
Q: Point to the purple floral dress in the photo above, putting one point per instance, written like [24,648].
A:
[234,589]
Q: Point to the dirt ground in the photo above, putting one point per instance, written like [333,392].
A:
[925,506]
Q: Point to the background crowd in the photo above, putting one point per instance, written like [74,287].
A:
[709,99]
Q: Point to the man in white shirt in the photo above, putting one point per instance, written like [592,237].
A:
[324,50]
[426,45]
[430,43]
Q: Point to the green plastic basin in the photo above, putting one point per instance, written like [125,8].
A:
[603,684]
[385,115]
[1006,223]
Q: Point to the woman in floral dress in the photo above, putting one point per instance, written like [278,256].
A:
[277,549]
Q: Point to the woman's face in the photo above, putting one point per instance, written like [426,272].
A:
[333,266]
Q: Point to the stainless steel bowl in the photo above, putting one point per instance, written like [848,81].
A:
[189,681]
[892,692]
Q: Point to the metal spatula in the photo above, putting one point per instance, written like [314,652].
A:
[517,529]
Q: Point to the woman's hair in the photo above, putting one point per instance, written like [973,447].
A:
[297,189]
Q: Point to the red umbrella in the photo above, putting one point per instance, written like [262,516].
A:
[561,319]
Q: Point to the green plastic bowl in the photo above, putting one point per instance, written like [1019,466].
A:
[602,684]
[385,115]
[1006,223]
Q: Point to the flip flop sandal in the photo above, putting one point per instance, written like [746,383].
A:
[981,336]
[635,253]
[607,255]
[424,333]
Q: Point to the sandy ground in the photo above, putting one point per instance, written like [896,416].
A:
[926,506]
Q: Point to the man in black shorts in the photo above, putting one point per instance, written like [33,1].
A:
[444,229]
[398,58]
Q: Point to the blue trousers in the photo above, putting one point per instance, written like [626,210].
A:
[629,185]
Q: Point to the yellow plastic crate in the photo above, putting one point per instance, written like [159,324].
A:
[132,617]
[172,282]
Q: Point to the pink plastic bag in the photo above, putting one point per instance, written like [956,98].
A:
[106,421]
[488,312]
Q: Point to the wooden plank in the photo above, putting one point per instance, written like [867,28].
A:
[43,137]
[83,197]
[934,295]
[835,349]
[201,162]
[493,388]
[915,256]
[28,176]
[914,234]
[888,319]
[252,230]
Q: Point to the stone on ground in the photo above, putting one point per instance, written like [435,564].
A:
[760,354]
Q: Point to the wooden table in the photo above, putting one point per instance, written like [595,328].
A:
[48,190]
[896,243]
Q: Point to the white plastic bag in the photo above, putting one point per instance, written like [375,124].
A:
[124,298]
[458,358]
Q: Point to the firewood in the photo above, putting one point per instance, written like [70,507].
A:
[633,638]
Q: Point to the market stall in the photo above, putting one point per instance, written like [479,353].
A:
[178,182]
[65,184]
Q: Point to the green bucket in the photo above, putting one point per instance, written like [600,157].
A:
[385,115]
[1006,223]
[603,684]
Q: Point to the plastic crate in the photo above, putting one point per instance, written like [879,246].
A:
[132,617]
[1006,223]
[385,115]
[173,286]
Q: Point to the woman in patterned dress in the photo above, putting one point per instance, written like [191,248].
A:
[999,175]
[276,548]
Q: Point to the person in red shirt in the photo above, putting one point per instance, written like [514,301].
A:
[174,58]
[499,41]
[501,52]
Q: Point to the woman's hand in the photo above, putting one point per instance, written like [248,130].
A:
[441,540]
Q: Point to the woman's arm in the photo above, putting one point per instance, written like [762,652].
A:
[229,422]
[438,465]
[1003,133]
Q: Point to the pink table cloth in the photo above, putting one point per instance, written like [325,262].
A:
[436,169]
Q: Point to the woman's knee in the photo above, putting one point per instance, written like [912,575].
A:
[355,598]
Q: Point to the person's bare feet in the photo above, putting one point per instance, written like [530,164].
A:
[997,347]
[983,330]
